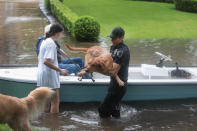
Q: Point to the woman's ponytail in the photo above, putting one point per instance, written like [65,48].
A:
[55,28]
[47,35]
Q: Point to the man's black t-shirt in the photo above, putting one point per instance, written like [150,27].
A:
[121,56]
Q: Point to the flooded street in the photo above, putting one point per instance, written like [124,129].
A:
[21,23]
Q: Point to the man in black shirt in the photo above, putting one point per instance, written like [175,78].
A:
[121,56]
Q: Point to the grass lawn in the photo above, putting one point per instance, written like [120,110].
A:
[141,20]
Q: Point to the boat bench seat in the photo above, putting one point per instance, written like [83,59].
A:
[152,70]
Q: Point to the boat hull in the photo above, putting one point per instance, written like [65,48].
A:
[84,92]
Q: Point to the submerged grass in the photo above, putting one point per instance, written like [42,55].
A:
[141,20]
[5,127]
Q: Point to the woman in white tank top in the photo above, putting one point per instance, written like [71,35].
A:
[48,70]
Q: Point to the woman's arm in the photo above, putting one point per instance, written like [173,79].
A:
[48,63]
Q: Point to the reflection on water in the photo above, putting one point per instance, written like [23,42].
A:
[183,51]
[20,19]
[21,24]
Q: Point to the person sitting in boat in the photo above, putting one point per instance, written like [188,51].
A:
[72,65]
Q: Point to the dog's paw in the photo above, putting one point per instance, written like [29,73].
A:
[80,74]
[80,78]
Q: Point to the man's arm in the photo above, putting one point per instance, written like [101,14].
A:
[115,69]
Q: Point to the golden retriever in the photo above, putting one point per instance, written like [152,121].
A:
[97,59]
[16,112]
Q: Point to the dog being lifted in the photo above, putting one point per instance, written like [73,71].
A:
[16,112]
[97,59]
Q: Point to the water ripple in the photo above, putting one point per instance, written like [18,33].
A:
[132,128]
[69,127]
[81,120]
[127,111]
[12,19]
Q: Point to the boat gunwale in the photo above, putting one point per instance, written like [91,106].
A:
[147,82]
[100,82]
[35,65]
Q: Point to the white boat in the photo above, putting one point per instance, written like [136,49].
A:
[145,82]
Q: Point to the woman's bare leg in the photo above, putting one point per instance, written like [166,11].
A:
[55,102]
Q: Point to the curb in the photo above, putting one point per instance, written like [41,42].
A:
[50,18]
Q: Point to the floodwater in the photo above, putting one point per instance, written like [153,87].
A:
[179,115]
[21,23]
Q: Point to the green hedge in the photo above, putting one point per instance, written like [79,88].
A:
[65,16]
[68,18]
[186,5]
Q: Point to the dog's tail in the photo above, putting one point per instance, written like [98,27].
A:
[76,49]
[37,100]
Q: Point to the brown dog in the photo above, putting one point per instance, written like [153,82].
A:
[97,59]
[16,112]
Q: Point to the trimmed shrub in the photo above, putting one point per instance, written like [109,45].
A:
[186,5]
[86,29]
